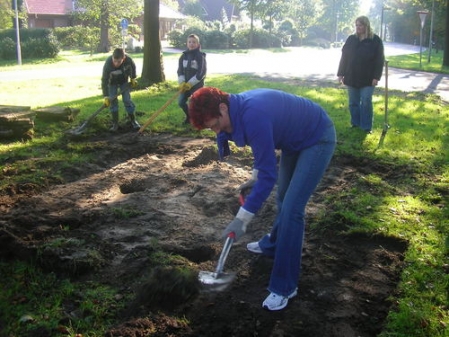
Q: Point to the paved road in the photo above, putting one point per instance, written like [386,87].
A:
[302,63]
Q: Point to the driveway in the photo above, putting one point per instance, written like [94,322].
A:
[302,63]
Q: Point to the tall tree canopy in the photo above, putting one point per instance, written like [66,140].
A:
[6,14]
[107,14]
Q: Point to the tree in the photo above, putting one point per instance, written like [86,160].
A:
[153,67]
[255,8]
[6,14]
[107,14]
[446,40]
[336,14]
[304,15]
[274,10]
[193,8]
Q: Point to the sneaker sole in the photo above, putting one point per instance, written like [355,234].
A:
[255,251]
[293,294]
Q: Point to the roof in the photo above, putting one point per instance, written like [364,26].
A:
[214,9]
[169,13]
[64,7]
[49,7]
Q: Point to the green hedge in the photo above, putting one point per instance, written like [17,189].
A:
[216,39]
[35,43]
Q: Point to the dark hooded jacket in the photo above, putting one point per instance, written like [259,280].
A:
[117,76]
[361,61]
[192,68]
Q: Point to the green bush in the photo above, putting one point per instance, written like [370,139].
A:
[216,40]
[78,37]
[8,49]
[261,39]
[35,43]
[176,39]
[288,33]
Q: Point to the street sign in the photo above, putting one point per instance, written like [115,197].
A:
[124,24]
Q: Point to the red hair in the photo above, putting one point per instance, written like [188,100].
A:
[204,105]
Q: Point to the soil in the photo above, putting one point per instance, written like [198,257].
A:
[105,221]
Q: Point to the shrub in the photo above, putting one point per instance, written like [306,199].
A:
[77,37]
[34,43]
[261,39]
[216,39]
[176,39]
[8,49]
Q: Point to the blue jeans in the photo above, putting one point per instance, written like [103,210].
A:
[361,107]
[299,175]
[126,97]
[182,101]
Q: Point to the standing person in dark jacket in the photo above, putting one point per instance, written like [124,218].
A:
[117,69]
[268,120]
[360,68]
[192,70]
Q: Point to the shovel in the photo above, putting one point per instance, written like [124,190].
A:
[158,112]
[219,281]
[80,129]
[386,126]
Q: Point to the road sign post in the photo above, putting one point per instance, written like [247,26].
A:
[124,24]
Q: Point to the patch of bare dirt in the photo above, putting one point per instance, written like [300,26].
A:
[170,193]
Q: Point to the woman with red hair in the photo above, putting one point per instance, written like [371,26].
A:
[267,120]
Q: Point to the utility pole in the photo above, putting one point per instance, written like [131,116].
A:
[19,50]
[431,31]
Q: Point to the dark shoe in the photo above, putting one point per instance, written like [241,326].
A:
[134,123]
[114,127]
[368,132]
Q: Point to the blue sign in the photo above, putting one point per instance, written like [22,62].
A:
[124,24]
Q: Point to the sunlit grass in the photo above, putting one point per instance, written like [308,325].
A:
[420,62]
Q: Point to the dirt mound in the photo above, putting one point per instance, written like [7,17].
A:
[163,193]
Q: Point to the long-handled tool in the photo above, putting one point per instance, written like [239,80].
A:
[80,129]
[219,281]
[386,126]
[155,114]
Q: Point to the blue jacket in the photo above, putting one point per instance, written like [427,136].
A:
[266,120]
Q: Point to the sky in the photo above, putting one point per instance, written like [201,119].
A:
[365,6]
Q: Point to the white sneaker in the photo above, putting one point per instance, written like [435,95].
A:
[254,247]
[277,302]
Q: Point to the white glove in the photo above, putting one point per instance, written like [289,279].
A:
[250,183]
[239,224]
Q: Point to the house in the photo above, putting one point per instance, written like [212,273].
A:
[49,14]
[168,19]
[58,13]
[216,10]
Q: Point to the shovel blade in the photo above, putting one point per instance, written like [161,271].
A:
[215,282]
[79,130]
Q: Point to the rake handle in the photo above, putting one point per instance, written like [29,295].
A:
[155,114]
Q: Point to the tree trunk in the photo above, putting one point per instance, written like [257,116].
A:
[104,46]
[446,38]
[153,66]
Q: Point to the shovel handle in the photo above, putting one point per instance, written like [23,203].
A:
[224,253]
[162,108]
